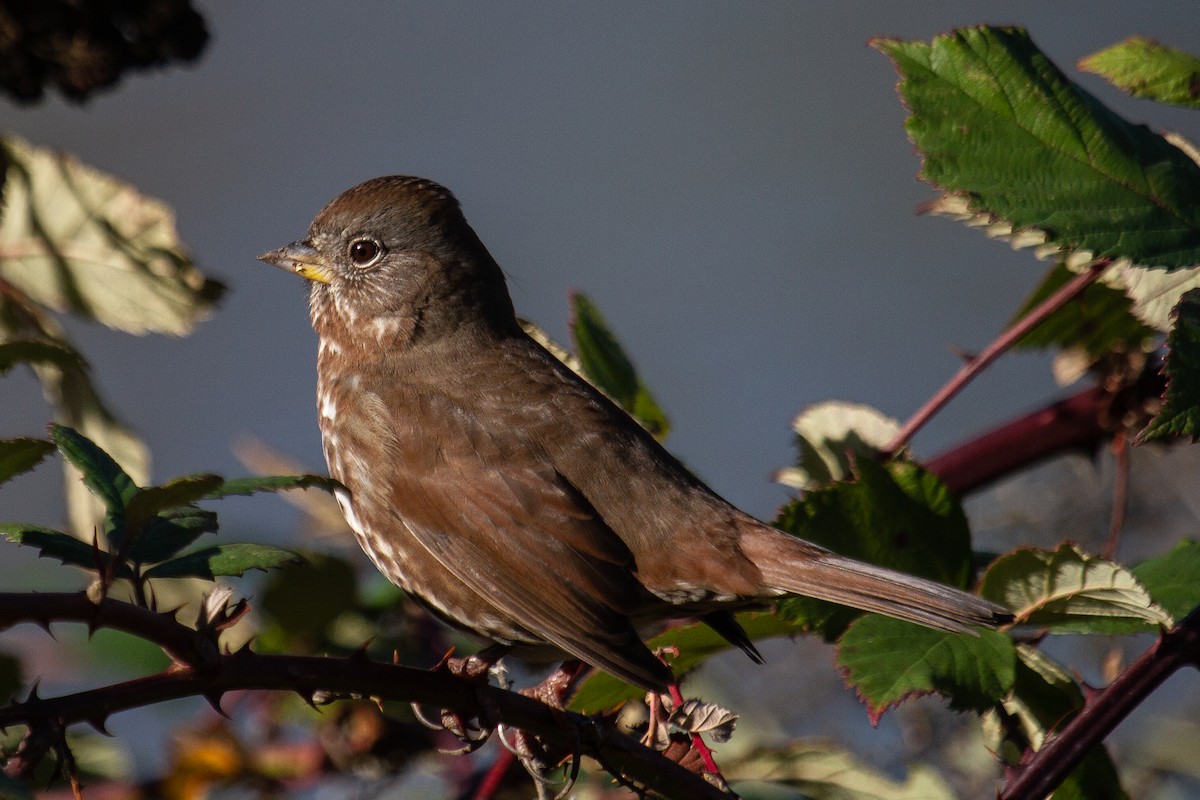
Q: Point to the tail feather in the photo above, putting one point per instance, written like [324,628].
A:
[794,566]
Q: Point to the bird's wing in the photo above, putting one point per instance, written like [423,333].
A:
[486,503]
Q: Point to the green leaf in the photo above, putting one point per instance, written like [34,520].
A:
[605,364]
[1173,580]
[696,643]
[830,437]
[1144,68]
[169,532]
[896,515]
[825,772]
[1095,778]
[56,544]
[39,351]
[10,676]
[81,241]
[1043,699]
[145,503]
[1038,157]
[1067,590]
[1098,321]
[887,661]
[101,474]
[13,789]
[1179,415]
[224,559]
[21,455]
[271,483]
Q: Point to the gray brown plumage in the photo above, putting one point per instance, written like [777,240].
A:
[512,498]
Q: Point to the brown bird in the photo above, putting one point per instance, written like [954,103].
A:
[504,492]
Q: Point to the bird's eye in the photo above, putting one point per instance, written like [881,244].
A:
[364,251]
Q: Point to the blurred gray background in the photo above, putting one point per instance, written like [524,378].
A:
[729,182]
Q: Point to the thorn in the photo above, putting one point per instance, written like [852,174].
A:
[359,656]
[100,724]
[309,697]
[213,697]
[33,692]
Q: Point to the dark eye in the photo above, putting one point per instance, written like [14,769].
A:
[364,251]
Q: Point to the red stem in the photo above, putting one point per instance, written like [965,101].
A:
[998,347]
[1050,766]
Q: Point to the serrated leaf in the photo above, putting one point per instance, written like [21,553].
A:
[1144,68]
[830,436]
[21,455]
[170,531]
[1068,590]
[823,771]
[146,503]
[1179,415]
[1001,126]
[101,474]
[605,364]
[223,560]
[896,515]
[39,351]
[55,544]
[695,716]
[887,660]
[1043,699]
[1098,321]
[1173,580]
[271,483]
[696,643]
[78,240]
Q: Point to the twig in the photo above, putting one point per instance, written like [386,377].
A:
[359,676]
[998,347]
[181,643]
[1120,494]
[1049,766]
[1082,421]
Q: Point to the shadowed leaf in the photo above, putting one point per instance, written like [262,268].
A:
[271,483]
[887,660]
[55,544]
[170,531]
[22,455]
[39,351]
[145,503]
[101,474]
[605,364]
[1179,416]
[225,559]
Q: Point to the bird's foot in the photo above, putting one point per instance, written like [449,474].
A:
[476,669]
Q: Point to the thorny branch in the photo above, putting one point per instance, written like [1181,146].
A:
[211,676]
[1048,767]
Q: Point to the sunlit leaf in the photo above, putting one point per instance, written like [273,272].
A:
[75,239]
[1040,159]
[147,502]
[1068,590]
[1173,580]
[1145,68]
[830,436]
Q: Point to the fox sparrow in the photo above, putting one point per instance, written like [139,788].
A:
[510,497]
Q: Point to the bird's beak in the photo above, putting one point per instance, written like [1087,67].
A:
[300,258]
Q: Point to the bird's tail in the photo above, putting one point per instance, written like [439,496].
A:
[797,567]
